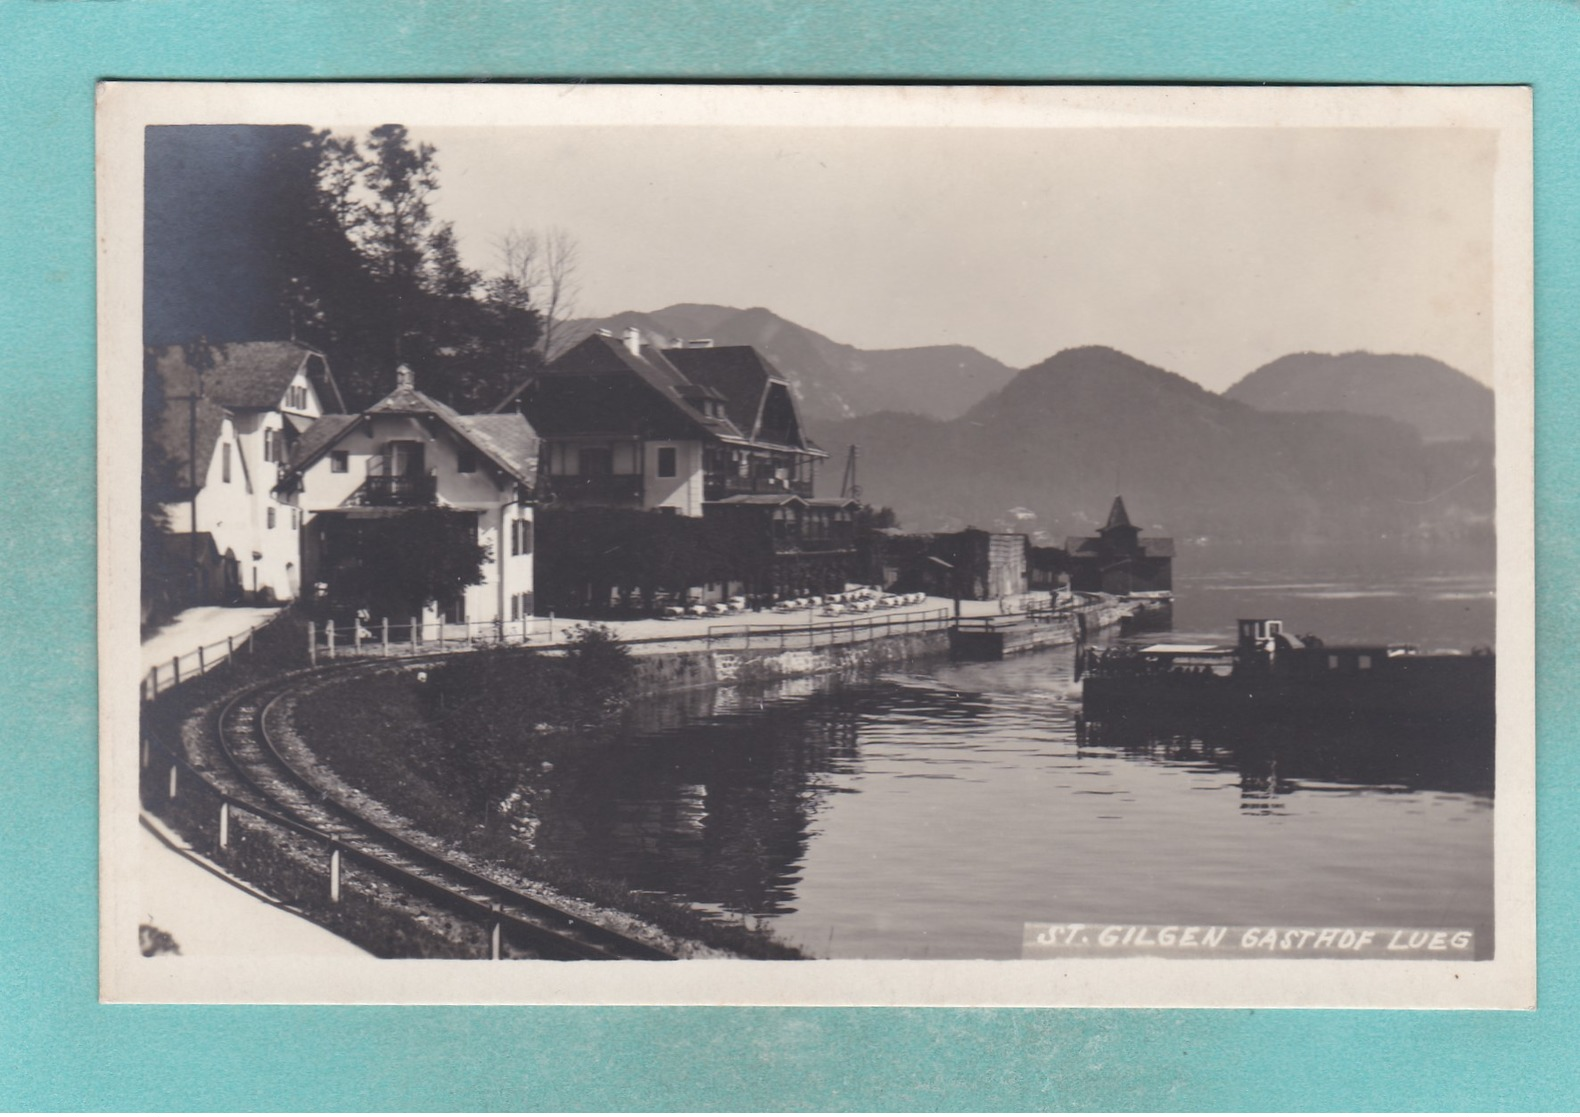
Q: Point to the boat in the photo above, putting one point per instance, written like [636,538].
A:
[1271,673]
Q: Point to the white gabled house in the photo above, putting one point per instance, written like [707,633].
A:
[409,451]
[227,418]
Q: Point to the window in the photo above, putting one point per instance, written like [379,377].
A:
[666,461]
[296,519]
[268,445]
[339,461]
[224,463]
[521,537]
[595,461]
[270,518]
[466,462]
[1364,662]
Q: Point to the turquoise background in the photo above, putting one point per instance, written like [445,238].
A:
[60,1049]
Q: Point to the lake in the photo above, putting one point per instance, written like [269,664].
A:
[931,811]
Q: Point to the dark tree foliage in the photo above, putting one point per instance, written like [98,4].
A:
[382,283]
[394,565]
[616,547]
[292,232]
[161,588]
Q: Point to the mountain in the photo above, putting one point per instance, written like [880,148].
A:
[1062,438]
[831,380]
[1439,401]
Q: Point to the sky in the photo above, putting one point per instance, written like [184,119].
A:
[1207,251]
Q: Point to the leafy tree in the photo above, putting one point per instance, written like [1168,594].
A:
[394,565]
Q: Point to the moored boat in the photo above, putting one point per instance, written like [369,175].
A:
[1268,672]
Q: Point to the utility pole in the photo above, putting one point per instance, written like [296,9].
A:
[849,489]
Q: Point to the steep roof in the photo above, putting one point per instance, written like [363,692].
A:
[195,385]
[506,439]
[737,373]
[575,394]
[1117,516]
[245,375]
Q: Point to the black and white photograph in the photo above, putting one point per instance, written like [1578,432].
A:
[862,545]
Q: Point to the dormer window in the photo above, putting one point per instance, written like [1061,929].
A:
[466,462]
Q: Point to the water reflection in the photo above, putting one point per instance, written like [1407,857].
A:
[931,811]
[1274,760]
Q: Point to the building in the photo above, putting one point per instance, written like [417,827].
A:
[1119,559]
[357,477]
[696,431]
[225,419]
[972,564]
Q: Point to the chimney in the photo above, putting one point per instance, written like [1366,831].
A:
[633,340]
[404,377]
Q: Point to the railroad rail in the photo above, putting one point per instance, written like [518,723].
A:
[272,788]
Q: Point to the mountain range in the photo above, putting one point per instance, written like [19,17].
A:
[1049,451]
[1356,446]
[831,380]
[1437,400]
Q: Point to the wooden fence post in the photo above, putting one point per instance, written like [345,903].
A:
[384,633]
[173,771]
[230,650]
[416,635]
[334,875]
[329,638]
[312,644]
[202,670]
[356,636]
[175,666]
[224,824]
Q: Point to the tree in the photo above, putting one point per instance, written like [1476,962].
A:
[395,565]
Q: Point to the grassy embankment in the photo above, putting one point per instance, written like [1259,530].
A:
[417,748]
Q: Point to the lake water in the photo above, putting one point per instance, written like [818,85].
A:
[931,811]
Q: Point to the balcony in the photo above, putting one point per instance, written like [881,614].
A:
[621,490]
[398,491]
[717,486]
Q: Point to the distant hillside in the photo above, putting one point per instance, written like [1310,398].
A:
[832,380]
[1051,449]
[1437,400]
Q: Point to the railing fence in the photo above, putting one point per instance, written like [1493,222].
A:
[414,636]
[200,661]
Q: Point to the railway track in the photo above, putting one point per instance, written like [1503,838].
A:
[534,927]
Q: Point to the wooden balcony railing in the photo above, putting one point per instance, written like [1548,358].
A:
[400,491]
[619,489]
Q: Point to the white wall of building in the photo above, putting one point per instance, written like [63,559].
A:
[486,491]
[682,492]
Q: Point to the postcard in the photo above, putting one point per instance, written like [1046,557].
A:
[819,545]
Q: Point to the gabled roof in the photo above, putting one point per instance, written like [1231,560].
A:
[579,393]
[740,375]
[505,439]
[198,384]
[245,375]
[576,395]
